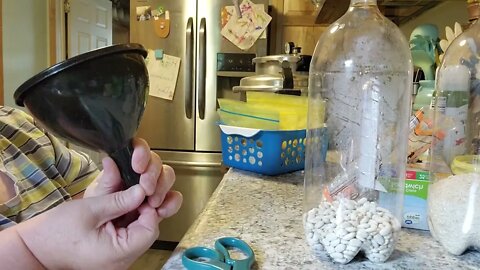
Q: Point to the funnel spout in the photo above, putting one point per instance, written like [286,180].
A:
[123,159]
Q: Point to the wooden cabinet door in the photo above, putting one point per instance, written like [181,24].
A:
[299,12]
[303,36]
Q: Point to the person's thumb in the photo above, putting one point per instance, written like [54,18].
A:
[111,206]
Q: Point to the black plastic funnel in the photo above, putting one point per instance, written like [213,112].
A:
[95,99]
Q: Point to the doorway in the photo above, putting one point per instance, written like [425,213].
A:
[79,26]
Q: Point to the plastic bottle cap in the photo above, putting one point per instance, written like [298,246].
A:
[454,78]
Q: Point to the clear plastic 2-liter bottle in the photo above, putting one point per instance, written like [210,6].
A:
[359,105]
[454,191]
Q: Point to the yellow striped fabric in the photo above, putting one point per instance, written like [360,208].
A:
[45,171]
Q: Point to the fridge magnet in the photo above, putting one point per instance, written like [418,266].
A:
[144,13]
[159,54]
[156,13]
[162,25]
[245,30]
[163,74]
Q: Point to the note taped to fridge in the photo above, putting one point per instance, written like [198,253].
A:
[244,30]
[163,74]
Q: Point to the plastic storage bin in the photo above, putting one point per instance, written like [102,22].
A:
[269,152]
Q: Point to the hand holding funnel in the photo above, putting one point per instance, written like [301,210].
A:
[95,99]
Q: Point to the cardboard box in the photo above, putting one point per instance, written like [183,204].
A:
[415,210]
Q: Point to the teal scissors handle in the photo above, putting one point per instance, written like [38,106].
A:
[211,259]
[202,258]
[222,245]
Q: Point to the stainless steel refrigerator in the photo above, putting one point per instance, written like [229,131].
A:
[183,131]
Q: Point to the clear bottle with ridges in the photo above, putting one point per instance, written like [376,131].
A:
[454,191]
[359,105]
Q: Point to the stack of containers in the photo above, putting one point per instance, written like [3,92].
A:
[266,134]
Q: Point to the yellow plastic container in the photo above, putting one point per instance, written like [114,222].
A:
[465,164]
[292,109]
[268,111]
[277,99]
[242,114]
[248,121]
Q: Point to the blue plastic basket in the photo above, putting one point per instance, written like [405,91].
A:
[269,152]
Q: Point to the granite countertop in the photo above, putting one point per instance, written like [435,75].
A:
[266,212]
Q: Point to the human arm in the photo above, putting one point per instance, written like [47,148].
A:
[81,234]
[14,254]
[85,233]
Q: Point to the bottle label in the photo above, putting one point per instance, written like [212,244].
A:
[456,114]
[440,103]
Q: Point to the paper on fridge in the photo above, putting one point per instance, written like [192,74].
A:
[163,74]
[245,30]
[230,11]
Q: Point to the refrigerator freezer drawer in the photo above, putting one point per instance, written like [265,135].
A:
[197,177]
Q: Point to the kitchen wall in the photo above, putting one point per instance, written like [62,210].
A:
[444,14]
[25,42]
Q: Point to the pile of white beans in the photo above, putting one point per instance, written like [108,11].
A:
[345,227]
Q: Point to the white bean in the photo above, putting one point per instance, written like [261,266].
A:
[362,235]
[362,201]
[349,236]
[335,242]
[350,253]
[379,239]
[351,229]
[386,230]
[340,248]
[355,243]
[330,237]
[337,255]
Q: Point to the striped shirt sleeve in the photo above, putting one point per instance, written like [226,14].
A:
[77,169]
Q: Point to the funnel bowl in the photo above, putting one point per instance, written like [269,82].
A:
[95,99]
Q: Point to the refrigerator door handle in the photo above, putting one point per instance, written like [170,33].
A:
[189,69]
[202,36]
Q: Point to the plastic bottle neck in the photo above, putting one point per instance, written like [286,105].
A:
[356,3]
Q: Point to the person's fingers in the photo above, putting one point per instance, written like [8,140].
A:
[126,219]
[108,181]
[165,183]
[171,204]
[141,234]
[149,179]
[140,155]
[108,207]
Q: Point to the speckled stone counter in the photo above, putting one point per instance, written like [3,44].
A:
[266,212]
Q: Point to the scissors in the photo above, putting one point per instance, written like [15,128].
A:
[203,258]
